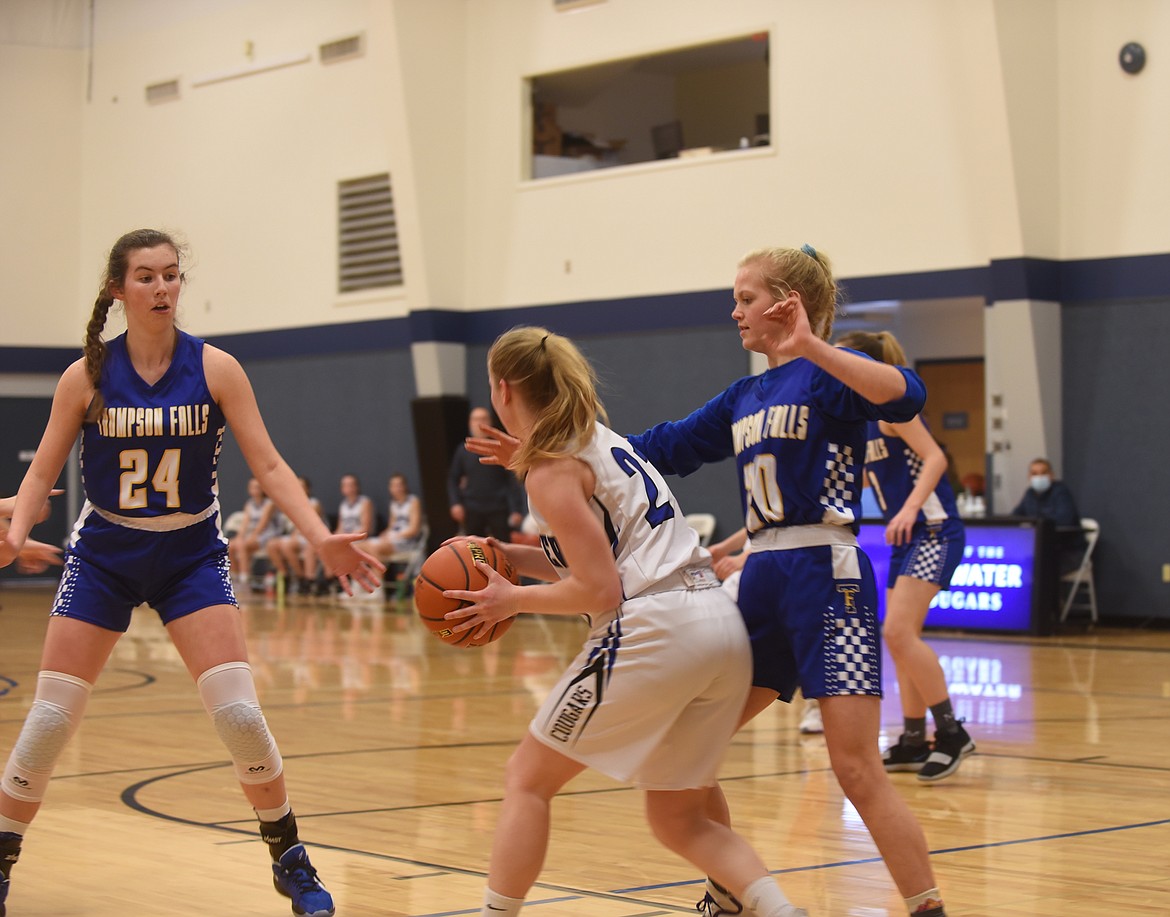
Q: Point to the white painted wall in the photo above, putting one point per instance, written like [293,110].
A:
[909,135]
[41,91]
[246,169]
[1023,393]
[1114,132]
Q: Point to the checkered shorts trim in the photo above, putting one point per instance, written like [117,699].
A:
[927,559]
[852,657]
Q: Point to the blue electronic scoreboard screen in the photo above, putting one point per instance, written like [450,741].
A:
[992,589]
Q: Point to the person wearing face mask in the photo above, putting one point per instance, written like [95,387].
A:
[1048,498]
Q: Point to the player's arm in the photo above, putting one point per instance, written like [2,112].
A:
[559,490]
[231,389]
[70,401]
[934,466]
[876,382]
[729,545]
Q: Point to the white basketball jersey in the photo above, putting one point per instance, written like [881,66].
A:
[650,538]
[349,515]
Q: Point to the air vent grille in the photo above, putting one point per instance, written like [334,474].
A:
[368,235]
[343,49]
[167,91]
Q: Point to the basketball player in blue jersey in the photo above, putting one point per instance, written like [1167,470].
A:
[151,407]
[807,592]
[654,695]
[906,469]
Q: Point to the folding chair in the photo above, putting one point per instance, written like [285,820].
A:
[411,561]
[1082,577]
[703,524]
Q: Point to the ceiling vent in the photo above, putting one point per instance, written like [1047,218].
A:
[368,255]
[333,52]
[167,91]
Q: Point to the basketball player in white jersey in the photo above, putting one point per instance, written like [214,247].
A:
[655,694]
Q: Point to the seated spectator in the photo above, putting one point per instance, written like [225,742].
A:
[355,514]
[262,523]
[291,554]
[1048,498]
[405,531]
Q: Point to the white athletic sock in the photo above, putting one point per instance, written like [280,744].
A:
[929,900]
[271,815]
[12,826]
[765,898]
[495,905]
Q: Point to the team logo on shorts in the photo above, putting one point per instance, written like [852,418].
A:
[849,591]
[580,700]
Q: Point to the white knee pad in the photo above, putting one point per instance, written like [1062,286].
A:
[55,714]
[229,695]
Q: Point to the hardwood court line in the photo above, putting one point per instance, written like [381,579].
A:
[861,861]
[128,798]
[619,894]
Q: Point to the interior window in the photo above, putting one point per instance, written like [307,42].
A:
[686,102]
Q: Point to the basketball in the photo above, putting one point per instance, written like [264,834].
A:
[452,566]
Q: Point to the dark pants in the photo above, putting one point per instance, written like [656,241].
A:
[489,522]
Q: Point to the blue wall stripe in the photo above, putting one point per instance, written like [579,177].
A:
[1090,280]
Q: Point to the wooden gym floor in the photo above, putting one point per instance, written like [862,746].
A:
[394,746]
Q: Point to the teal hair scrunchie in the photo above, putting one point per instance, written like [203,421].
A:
[809,250]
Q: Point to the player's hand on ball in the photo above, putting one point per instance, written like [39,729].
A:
[490,605]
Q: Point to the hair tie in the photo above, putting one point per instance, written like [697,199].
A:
[809,250]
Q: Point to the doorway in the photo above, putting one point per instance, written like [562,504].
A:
[955,412]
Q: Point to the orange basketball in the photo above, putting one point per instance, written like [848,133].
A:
[453,567]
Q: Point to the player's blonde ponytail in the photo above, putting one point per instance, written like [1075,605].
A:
[557,382]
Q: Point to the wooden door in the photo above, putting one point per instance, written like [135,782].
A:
[955,411]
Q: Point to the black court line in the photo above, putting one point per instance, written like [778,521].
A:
[129,799]
[145,680]
[567,893]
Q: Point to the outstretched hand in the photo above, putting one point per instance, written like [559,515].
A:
[494,447]
[36,557]
[789,330]
[901,526]
[349,563]
[729,564]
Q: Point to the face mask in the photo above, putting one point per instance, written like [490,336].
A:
[1041,483]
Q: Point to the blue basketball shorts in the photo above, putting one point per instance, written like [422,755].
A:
[811,613]
[111,569]
[932,554]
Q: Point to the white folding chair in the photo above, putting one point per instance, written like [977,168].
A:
[411,561]
[1082,577]
[703,524]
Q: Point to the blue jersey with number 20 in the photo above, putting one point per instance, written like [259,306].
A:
[798,435]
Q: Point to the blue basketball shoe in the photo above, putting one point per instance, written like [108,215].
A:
[295,878]
[9,854]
